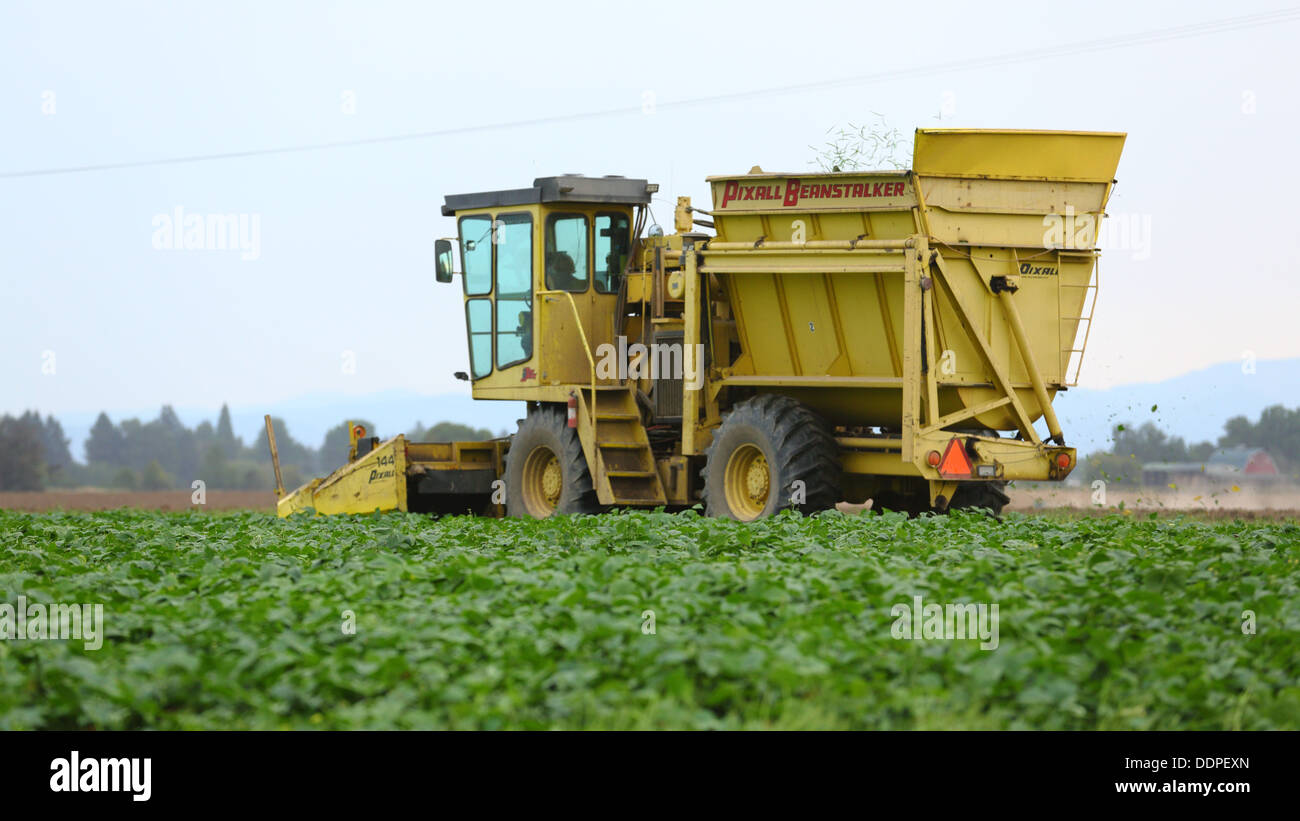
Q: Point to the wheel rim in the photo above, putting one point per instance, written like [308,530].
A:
[543,482]
[748,482]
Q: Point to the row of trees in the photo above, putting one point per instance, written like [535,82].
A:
[32,451]
[1277,431]
[164,454]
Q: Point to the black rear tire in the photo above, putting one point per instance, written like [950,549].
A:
[546,471]
[913,504]
[990,496]
[763,447]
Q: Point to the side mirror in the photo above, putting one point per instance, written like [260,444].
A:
[443,260]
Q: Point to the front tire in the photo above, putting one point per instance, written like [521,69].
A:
[546,471]
[762,449]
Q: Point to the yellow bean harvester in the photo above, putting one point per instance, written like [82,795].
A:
[827,337]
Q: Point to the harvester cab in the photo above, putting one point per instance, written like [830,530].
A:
[542,272]
[883,335]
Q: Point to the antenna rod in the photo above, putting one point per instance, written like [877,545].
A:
[275,457]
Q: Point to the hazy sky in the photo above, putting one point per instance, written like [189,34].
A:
[343,267]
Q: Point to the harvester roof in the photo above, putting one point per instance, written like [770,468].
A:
[567,188]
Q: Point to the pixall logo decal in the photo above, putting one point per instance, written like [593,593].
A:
[796,190]
[1030,270]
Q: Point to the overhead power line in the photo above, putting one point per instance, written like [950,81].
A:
[1010,58]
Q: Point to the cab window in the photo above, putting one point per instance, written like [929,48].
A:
[514,289]
[476,253]
[514,247]
[566,252]
[478,318]
[612,245]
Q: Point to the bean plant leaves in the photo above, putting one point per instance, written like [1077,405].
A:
[651,620]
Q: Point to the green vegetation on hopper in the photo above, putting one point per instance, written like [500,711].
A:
[234,621]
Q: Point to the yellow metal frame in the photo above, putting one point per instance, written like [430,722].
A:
[922,271]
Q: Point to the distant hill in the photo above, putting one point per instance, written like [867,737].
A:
[1193,406]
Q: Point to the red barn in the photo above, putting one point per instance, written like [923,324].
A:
[1244,460]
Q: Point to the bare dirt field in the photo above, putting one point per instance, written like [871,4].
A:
[1277,501]
[1208,498]
[1273,501]
[92,499]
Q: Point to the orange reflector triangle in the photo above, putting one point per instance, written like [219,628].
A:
[955,462]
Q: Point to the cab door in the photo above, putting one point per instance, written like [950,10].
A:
[584,253]
[497,253]
[476,259]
